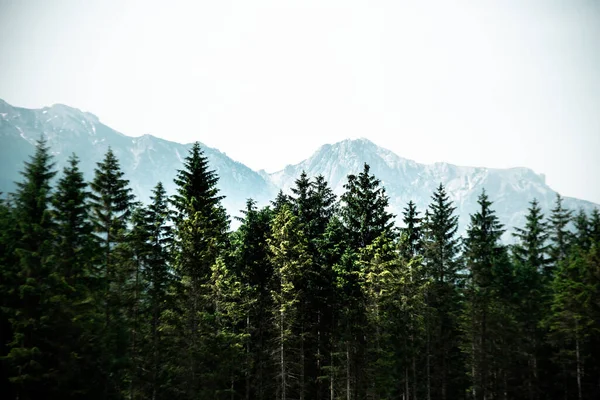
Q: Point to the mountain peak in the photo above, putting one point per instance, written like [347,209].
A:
[361,141]
[62,110]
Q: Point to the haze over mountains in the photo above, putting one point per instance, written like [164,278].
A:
[147,160]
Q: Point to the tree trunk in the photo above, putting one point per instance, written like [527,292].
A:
[414,368]
[302,364]
[247,369]
[282,363]
[428,362]
[134,330]
[406,385]
[331,376]
[348,396]
[578,359]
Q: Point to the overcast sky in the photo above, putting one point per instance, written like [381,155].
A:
[483,83]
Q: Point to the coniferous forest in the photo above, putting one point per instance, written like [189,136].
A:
[313,297]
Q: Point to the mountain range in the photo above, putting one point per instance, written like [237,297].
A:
[147,160]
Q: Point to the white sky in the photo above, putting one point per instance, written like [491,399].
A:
[486,83]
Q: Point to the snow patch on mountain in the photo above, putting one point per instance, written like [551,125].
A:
[146,160]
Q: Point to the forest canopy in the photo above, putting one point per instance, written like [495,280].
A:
[312,297]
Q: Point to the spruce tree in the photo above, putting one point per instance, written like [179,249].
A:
[290,259]
[111,205]
[364,209]
[200,228]
[30,356]
[595,226]
[440,250]
[9,295]
[532,248]
[489,326]
[560,237]
[314,204]
[301,201]
[530,255]
[75,320]
[253,266]
[412,245]
[157,365]
[582,234]
[380,282]
[574,320]
[279,201]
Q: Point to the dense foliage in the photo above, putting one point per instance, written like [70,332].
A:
[310,298]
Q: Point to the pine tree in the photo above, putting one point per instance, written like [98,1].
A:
[489,325]
[560,237]
[325,205]
[531,260]
[251,257]
[159,280]
[134,254]
[532,248]
[9,295]
[231,308]
[302,206]
[75,316]
[364,209]
[380,283]
[595,226]
[335,254]
[440,250]
[111,206]
[290,259]
[30,357]
[412,245]
[201,226]
[574,319]
[279,201]
[314,204]
[582,235]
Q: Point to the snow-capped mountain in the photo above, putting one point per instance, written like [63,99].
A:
[511,190]
[147,160]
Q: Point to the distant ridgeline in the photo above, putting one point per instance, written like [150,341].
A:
[146,160]
[316,295]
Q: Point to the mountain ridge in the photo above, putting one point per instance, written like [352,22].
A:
[148,159]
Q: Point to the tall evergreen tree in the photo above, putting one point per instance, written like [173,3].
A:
[290,259]
[532,248]
[314,204]
[595,226]
[488,319]
[560,237]
[440,251]
[30,355]
[279,201]
[574,320]
[157,364]
[111,206]
[364,209]
[201,226]
[75,320]
[582,234]
[251,257]
[9,296]
[412,245]
[530,254]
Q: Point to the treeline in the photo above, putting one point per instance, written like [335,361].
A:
[310,298]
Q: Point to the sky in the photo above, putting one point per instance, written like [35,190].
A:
[497,84]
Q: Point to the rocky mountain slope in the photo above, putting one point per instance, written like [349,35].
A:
[147,160]
[511,190]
